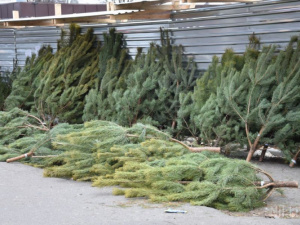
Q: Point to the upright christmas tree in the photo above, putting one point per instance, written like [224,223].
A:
[113,67]
[154,85]
[5,88]
[138,101]
[71,74]
[178,80]
[256,105]
[25,83]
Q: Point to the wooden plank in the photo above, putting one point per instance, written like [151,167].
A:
[138,5]
[84,20]
[152,4]
[97,17]
[147,14]
[30,23]
[222,1]
[57,9]
[56,22]
[124,11]
[168,7]
[15,14]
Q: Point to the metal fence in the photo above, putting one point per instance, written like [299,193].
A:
[7,49]
[202,32]
[208,32]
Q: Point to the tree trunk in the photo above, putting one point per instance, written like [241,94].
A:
[217,142]
[173,124]
[19,157]
[263,153]
[266,184]
[254,145]
[250,153]
[278,184]
[201,149]
[294,160]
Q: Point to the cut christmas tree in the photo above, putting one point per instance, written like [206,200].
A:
[146,162]
[256,105]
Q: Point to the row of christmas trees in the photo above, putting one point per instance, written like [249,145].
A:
[250,99]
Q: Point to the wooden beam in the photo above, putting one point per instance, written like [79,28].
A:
[138,5]
[222,1]
[109,6]
[94,17]
[57,9]
[149,4]
[57,22]
[84,20]
[167,7]
[30,23]
[15,14]
[147,14]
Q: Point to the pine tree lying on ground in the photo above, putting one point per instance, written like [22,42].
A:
[22,132]
[19,132]
[145,163]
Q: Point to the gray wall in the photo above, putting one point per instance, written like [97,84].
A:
[203,32]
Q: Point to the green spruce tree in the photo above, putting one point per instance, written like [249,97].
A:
[154,85]
[138,102]
[24,84]
[113,67]
[5,88]
[260,101]
[178,80]
[63,86]
[206,89]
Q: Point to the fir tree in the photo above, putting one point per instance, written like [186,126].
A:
[111,48]
[258,105]
[5,88]
[63,86]
[258,102]
[191,104]
[138,101]
[146,89]
[154,86]
[24,84]
[113,79]
[19,131]
[205,121]
[211,79]
[113,67]
[178,80]
[153,168]
[287,67]
[142,160]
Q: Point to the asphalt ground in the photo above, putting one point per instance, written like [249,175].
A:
[28,198]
